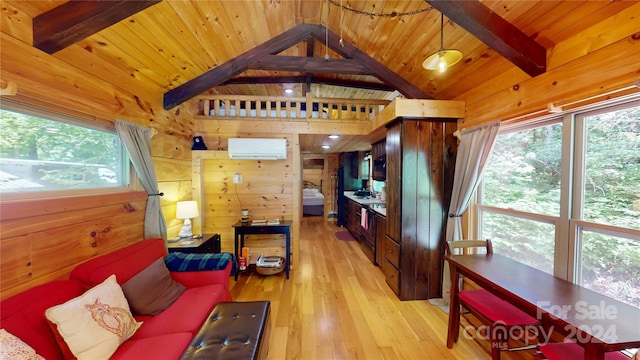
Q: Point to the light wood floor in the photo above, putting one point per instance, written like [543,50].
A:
[336,305]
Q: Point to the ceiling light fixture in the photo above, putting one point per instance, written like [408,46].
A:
[334,136]
[288,91]
[325,146]
[443,58]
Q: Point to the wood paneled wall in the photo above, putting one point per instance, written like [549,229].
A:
[267,191]
[36,247]
[596,65]
[42,240]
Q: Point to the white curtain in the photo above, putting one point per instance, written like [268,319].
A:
[137,141]
[474,150]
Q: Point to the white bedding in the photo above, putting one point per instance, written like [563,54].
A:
[263,113]
[311,197]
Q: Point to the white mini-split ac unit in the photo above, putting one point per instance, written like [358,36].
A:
[257,149]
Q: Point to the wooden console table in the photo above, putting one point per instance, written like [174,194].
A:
[599,323]
[241,229]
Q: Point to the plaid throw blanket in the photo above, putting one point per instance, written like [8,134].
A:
[177,261]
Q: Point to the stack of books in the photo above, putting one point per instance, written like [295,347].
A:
[266,222]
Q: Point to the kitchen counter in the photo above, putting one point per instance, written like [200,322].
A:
[374,204]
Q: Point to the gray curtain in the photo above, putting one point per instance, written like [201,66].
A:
[474,150]
[137,141]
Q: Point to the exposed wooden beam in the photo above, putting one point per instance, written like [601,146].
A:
[310,65]
[73,21]
[254,59]
[377,69]
[310,78]
[497,33]
[235,66]
[310,49]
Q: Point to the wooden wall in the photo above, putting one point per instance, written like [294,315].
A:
[266,191]
[41,240]
[595,65]
[315,176]
[270,189]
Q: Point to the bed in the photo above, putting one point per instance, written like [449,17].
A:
[242,107]
[312,199]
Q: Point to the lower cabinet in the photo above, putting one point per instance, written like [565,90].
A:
[353,218]
[391,264]
[381,229]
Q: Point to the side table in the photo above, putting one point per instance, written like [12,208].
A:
[283,228]
[208,243]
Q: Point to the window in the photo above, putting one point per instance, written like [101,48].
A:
[522,187]
[563,195]
[44,152]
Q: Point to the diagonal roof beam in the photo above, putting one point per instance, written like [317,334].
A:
[377,69]
[233,67]
[497,33]
[253,58]
[73,21]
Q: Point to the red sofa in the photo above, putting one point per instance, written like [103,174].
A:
[163,336]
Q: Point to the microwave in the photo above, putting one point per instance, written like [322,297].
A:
[379,171]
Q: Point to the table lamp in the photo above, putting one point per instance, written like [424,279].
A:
[186,210]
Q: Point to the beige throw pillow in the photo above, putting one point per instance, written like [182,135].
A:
[94,324]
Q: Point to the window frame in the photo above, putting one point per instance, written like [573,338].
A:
[569,222]
[77,119]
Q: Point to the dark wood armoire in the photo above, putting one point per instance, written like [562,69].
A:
[421,157]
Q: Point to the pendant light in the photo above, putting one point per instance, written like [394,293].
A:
[444,58]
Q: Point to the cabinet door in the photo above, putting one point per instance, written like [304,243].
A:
[378,149]
[353,218]
[394,181]
[381,230]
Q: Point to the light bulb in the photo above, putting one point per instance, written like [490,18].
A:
[442,64]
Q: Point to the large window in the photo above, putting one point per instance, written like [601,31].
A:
[522,188]
[563,196]
[40,153]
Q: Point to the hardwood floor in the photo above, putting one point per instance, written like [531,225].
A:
[337,305]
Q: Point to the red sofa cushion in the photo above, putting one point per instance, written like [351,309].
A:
[157,347]
[188,313]
[23,314]
[125,263]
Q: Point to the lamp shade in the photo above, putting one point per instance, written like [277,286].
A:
[186,210]
[442,59]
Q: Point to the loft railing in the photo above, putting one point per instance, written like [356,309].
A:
[236,107]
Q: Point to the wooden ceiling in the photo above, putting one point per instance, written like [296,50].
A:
[168,45]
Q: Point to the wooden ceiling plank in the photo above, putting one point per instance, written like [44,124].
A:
[497,33]
[310,9]
[75,20]
[235,66]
